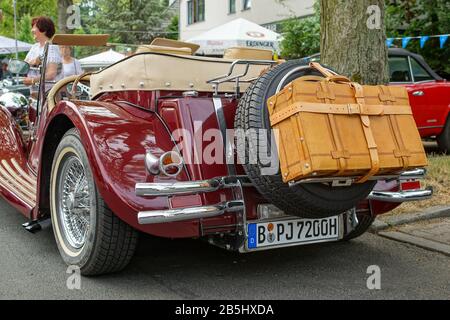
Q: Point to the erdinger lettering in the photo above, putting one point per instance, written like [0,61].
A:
[186,310]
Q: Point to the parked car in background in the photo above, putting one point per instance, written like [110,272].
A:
[429,94]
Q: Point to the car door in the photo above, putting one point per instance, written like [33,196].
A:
[427,98]
[430,99]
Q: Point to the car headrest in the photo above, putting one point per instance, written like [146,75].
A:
[248,53]
[400,76]
[162,49]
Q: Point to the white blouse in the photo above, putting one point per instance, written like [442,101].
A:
[52,57]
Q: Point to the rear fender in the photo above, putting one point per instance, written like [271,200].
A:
[116,139]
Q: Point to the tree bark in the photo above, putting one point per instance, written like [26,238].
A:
[350,44]
[62,16]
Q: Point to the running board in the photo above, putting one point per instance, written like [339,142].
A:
[37,225]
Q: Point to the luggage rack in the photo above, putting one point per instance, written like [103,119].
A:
[229,77]
[418,173]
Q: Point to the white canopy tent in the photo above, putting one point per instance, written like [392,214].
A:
[236,33]
[8,45]
[102,59]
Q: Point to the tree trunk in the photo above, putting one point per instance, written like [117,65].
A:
[63,16]
[353,39]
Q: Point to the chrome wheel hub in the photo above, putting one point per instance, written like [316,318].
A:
[74,202]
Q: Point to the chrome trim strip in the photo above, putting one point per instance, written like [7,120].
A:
[401,196]
[228,151]
[5,184]
[18,177]
[23,190]
[184,187]
[429,127]
[172,215]
[30,178]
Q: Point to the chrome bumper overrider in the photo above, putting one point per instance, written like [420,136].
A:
[401,196]
[404,196]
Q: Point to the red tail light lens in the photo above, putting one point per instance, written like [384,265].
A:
[410,185]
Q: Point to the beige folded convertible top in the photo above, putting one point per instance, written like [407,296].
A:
[157,71]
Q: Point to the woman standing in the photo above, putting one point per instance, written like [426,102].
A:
[71,66]
[43,30]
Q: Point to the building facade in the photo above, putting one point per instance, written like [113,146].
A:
[198,16]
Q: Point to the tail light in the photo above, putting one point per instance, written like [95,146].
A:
[410,185]
[170,163]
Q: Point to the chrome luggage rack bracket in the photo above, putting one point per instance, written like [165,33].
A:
[347,181]
[229,77]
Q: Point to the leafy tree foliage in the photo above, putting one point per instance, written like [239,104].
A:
[25,10]
[128,21]
[172,31]
[418,18]
[403,18]
[302,37]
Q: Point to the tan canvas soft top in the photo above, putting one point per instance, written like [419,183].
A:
[156,71]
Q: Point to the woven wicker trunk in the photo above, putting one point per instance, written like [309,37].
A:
[334,127]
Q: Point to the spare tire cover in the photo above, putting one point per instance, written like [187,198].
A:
[315,200]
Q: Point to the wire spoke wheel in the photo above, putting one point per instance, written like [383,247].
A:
[88,234]
[74,207]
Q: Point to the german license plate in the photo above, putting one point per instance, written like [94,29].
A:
[284,232]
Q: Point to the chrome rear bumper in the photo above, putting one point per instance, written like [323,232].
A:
[235,183]
[162,216]
[187,188]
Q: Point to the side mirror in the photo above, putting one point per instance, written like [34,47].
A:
[18,67]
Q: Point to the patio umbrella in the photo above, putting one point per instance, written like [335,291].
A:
[8,45]
[103,58]
[236,33]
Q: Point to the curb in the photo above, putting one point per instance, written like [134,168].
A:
[417,241]
[427,214]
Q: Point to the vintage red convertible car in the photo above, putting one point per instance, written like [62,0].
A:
[105,168]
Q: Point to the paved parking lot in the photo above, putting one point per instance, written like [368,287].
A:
[191,269]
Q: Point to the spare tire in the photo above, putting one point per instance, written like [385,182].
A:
[315,200]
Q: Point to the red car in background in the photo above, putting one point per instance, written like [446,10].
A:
[429,94]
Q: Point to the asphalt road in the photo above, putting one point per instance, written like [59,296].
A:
[30,268]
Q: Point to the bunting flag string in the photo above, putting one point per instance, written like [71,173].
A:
[423,39]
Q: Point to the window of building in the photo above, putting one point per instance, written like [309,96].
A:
[231,6]
[247,4]
[196,11]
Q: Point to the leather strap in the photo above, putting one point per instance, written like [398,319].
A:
[371,144]
[345,109]
[327,73]
[339,148]
[401,152]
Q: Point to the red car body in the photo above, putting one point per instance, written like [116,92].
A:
[429,94]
